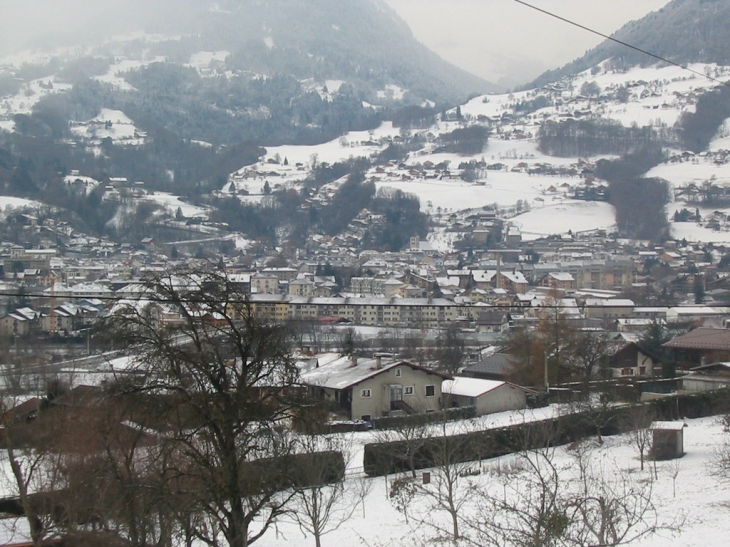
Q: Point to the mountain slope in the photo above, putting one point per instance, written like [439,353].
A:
[270,71]
[360,41]
[684,31]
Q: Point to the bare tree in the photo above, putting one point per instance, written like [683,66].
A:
[720,462]
[450,487]
[597,410]
[608,507]
[637,422]
[226,384]
[405,441]
[528,512]
[587,358]
[673,468]
[326,499]
[28,451]
[450,350]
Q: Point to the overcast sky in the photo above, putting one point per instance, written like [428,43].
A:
[505,42]
[500,40]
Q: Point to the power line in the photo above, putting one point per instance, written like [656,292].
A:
[621,42]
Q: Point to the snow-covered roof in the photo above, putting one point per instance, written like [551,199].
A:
[515,277]
[610,303]
[562,276]
[668,426]
[484,276]
[470,387]
[341,374]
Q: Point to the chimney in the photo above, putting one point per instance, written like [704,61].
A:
[353,360]
[378,361]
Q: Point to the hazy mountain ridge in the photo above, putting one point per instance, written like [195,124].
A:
[264,74]
[364,42]
[684,31]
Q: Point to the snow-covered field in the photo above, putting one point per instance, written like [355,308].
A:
[699,504]
[9,202]
[113,124]
[686,494]
[657,96]
[697,171]
[353,144]
[574,216]
[171,203]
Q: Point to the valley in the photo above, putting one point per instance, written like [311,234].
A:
[274,272]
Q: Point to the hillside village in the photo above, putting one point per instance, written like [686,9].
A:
[516,234]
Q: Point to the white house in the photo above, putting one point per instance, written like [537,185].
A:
[364,389]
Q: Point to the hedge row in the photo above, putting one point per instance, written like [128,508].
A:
[409,455]
[282,473]
[448,415]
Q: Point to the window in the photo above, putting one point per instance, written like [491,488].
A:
[408,390]
[430,391]
[365,393]
[366,417]
[398,372]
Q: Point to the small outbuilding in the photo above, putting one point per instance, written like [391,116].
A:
[667,440]
[487,396]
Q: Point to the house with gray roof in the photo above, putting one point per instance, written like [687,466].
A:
[363,389]
[498,366]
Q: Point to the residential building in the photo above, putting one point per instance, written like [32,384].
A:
[363,389]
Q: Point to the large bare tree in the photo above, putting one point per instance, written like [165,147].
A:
[225,387]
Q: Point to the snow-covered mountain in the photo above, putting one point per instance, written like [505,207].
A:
[517,174]
[684,31]
[173,113]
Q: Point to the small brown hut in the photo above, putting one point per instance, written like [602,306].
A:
[668,440]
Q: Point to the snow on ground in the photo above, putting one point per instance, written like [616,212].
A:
[87,183]
[171,202]
[29,95]
[662,105]
[9,202]
[573,215]
[653,98]
[501,187]
[442,240]
[700,500]
[492,105]
[202,144]
[113,124]
[114,76]
[333,86]
[203,59]
[698,233]
[696,171]
[140,35]
[689,494]
[352,144]
[392,92]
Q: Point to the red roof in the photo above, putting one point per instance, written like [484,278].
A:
[702,338]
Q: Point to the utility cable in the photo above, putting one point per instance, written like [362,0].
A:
[621,42]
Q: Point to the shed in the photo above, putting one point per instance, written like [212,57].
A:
[487,396]
[667,440]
